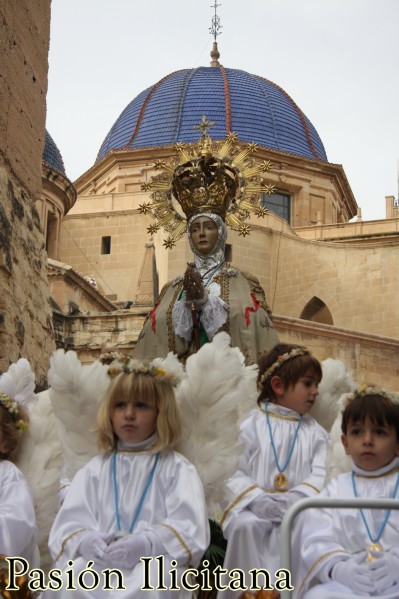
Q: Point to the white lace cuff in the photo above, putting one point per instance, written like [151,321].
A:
[214,315]
[182,320]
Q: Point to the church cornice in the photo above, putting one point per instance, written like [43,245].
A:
[280,159]
[59,269]
[60,185]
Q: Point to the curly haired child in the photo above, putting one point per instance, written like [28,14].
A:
[283,459]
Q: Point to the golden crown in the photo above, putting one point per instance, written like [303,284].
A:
[209,176]
[205,184]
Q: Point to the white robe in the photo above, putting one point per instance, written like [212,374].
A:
[173,515]
[17,515]
[342,531]
[254,542]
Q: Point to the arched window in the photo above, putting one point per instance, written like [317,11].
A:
[317,311]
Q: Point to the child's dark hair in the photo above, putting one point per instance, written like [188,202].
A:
[291,369]
[377,406]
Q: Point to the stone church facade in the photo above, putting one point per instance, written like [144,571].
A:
[331,283]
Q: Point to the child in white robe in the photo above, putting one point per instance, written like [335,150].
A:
[18,533]
[137,499]
[350,552]
[283,461]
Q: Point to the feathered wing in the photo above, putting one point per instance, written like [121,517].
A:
[76,392]
[337,460]
[39,455]
[335,382]
[40,459]
[334,388]
[19,382]
[209,398]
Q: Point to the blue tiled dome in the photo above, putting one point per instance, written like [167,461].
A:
[255,108]
[52,155]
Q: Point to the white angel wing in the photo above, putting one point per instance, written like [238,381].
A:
[336,381]
[337,460]
[335,385]
[209,398]
[172,364]
[19,382]
[40,459]
[76,392]
[39,455]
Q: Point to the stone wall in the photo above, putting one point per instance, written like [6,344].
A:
[24,45]
[357,283]
[370,359]
[94,334]
[25,314]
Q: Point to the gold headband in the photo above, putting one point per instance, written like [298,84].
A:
[297,351]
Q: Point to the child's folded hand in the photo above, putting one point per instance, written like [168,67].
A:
[385,569]
[127,551]
[353,573]
[266,508]
[94,544]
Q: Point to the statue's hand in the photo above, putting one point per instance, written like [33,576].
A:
[193,285]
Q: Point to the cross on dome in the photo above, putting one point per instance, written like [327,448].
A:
[215,31]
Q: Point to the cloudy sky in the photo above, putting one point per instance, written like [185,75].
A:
[337,59]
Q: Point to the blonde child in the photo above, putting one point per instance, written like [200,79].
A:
[283,460]
[351,552]
[17,513]
[138,498]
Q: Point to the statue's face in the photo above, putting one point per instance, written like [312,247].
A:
[204,234]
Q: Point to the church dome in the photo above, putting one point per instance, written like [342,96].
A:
[255,108]
[52,156]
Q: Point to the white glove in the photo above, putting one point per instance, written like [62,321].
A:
[127,551]
[384,570]
[94,544]
[353,573]
[266,508]
[283,501]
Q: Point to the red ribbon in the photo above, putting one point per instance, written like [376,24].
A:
[153,318]
[249,309]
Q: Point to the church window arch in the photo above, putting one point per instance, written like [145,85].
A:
[317,311]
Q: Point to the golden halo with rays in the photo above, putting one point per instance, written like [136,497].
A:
[208,176]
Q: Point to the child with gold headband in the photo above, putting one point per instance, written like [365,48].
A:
[17,513]
[138,498]
[283,459]
[351,552]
